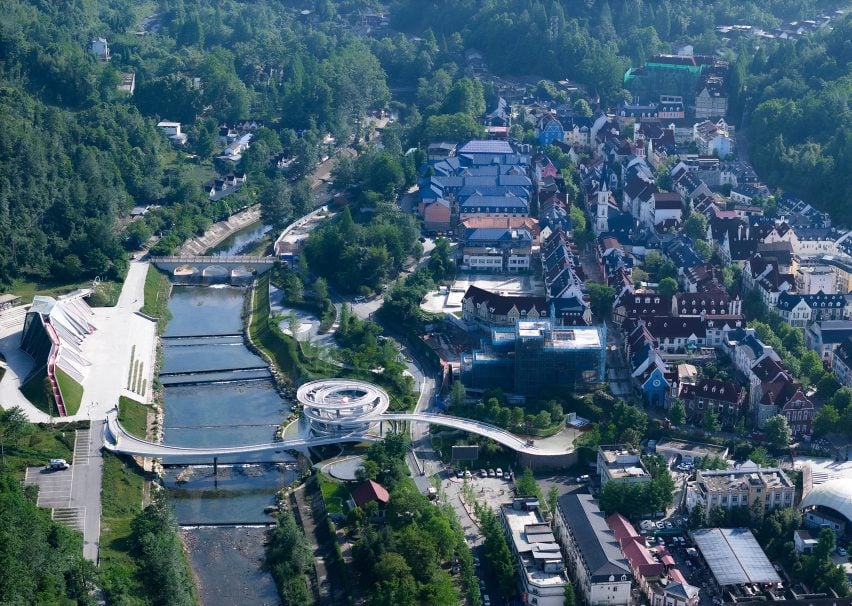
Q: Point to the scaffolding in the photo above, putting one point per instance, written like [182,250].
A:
[534,356]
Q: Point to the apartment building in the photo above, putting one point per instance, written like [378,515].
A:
[594,557]
[537,555]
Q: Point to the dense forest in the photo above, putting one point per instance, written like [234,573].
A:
[77,154]
[42,559]
[800,125]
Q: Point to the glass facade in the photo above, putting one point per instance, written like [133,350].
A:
[34,340]
[537,356]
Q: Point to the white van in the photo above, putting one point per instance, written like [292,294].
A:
[58,464]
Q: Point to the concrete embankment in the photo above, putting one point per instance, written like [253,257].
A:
[219,231]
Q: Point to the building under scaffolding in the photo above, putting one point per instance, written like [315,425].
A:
[533,356]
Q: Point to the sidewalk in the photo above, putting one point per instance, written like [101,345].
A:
[117,330]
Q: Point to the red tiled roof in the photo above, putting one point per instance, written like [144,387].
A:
[370,491]
[621,528]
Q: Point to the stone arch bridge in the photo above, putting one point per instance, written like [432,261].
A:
[235,269]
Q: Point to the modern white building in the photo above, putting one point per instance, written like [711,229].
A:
[172,131]
[594,557]
[100,47]
[539,560]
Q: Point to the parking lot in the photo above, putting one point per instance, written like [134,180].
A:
[490,491]
[693,569]
[54,486]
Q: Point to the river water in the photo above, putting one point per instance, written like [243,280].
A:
[241,241]
[227,399]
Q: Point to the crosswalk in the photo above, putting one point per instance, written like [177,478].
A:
[821,477]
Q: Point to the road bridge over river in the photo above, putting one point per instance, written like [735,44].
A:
[337,411]
[214,268]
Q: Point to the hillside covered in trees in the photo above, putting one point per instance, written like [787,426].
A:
[76,153]
[800,125]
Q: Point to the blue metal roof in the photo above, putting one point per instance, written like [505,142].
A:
[486,147]
[498,234]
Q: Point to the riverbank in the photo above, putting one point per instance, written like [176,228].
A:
[219,232]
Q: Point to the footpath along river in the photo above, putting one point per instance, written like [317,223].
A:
[217,392]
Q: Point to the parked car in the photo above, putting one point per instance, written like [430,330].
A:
[483,473]
[486,600]
[660,525]
[669,525]
[467,474]
[491,473]
[507,476]
[360,299]
[499,472]
[57,464]
[841,551]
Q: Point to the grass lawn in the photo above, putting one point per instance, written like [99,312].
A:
[335,494]
[34,390]
[157,288]
[106,294]
[196,172]
[27,289]
[72,392]
[121,499]
[38,445]
[133,416]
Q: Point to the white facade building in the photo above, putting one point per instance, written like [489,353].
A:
[594,556]
[537,554]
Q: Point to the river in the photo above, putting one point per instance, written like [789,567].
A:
[227,398]
[239,242]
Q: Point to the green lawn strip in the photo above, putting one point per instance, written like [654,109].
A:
[39,444]
[136,370]
[121,500]
[39,396]
[72,392]
[27,289]
[133,416]
[335,494]
[157,288]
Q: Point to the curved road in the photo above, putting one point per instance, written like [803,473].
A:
[117,439]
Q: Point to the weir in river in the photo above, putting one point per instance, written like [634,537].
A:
[217,392]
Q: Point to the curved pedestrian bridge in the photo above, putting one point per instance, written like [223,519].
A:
[337,410]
